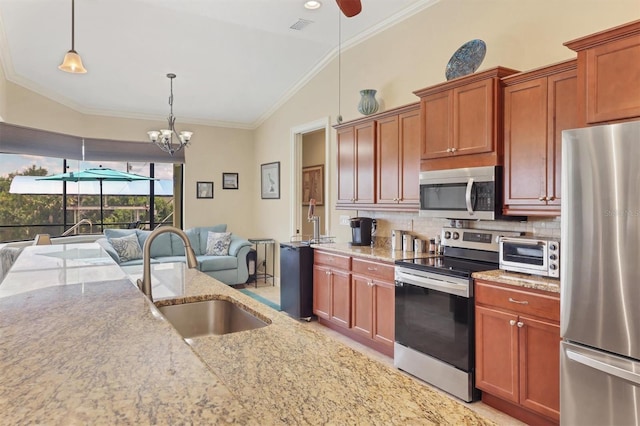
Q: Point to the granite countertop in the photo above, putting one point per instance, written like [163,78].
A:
[86,351]
[551,285]
[383,254]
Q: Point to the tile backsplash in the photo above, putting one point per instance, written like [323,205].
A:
[426,228]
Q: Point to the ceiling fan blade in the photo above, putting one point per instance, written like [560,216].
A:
[350,8]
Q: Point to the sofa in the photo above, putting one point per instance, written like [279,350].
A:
[229,268]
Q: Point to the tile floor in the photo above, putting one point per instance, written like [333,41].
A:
[272,293]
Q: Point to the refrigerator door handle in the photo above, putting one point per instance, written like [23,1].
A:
[621,373]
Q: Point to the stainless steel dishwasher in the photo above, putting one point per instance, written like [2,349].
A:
[296,279]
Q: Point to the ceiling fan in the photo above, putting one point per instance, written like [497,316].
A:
[350,8]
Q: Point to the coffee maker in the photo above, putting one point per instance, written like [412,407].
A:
[361,230]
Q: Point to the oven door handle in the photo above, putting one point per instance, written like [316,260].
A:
[467,196]
[433,284]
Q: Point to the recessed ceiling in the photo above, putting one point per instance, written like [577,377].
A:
[235,60]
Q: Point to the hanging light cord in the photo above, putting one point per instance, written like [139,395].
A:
[73,25]
[339,118]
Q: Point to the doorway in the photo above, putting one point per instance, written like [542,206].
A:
[310,154]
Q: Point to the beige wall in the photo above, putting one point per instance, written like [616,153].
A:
[3,95]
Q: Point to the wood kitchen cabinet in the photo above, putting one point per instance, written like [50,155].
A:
[608,74]
[366,314]
[332,288]
[461,121]
[373,300]
[517,351]
[538,106]
[356,164]
[397,154]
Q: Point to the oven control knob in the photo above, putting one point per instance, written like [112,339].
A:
[553,257]
[553,247]
[553,266]
[447,234]
[455,236]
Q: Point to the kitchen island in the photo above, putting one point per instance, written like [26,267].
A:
[83,351]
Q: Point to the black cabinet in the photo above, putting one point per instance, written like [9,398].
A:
[296,279]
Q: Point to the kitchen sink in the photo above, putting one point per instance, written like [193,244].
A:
[210,317]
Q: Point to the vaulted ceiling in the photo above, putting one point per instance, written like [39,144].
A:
[235,60]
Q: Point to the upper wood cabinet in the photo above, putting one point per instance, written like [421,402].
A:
[378,161]
[538,106]
[356,163]
[397,153]
[609,74]
[461,121]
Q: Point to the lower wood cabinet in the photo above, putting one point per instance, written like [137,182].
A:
[332,288]
[356,297]
[518,351]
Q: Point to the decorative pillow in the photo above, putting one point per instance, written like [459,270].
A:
[218,243]
[128,248]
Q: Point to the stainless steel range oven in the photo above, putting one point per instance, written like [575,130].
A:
[434,310]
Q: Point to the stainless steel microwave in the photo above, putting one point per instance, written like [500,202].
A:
[469,193]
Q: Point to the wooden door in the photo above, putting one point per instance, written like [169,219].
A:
[473,118]
[540,366]
[497,353]
[362,291]
[409,126]
[384,312]
[562,115]
[322,291]
[435,125]
[525,143]
[346,165]
[389,160]
[365,140]
[341,297]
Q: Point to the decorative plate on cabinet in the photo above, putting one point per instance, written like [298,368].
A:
[466,59]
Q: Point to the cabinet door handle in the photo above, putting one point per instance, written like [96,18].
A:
[520,324]
[449,150]
[512,322]
[453,150]
[520,302]
[541,198]
[551,198]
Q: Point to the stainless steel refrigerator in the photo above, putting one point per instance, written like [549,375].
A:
[600,276]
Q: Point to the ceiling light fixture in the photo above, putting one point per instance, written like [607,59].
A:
[163,139]
[72,62]
[312,4]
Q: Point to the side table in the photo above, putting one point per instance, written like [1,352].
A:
[265,242]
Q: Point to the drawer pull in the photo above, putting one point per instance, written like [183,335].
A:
[520,302]
[512,322]
[370,268]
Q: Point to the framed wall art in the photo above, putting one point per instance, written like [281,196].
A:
[270,180]
[313,184]
[229,181]
[204,190]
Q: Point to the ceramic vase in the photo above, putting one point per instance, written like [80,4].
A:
[368,104]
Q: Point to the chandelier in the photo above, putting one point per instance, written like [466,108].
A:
[163,139]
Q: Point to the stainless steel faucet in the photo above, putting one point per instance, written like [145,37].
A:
[311,217]
[145,283]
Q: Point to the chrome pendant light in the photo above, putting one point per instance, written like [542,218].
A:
[163,139]
[72,62]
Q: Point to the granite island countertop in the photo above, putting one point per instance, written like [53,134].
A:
[84,351]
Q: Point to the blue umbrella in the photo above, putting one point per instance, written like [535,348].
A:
[100,174]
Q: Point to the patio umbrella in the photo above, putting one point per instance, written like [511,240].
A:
[99,174]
